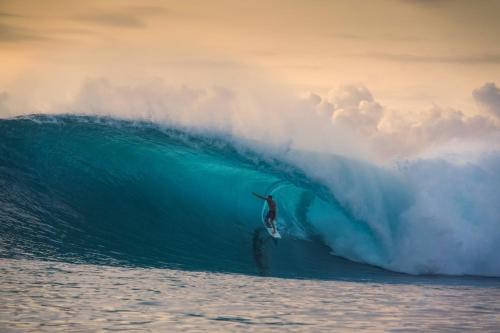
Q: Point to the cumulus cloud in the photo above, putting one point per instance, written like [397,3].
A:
[354,105]
[488,97]
[320,105]
[398,133]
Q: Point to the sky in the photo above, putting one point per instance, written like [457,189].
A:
[381,67]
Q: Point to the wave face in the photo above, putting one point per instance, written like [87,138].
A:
[98,190]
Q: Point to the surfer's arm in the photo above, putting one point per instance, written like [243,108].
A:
[259,196]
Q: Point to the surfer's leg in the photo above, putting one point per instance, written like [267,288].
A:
[272,221]
[268,220]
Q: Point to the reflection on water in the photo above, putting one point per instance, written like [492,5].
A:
[43,296]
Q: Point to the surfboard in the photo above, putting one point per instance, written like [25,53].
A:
[269,229]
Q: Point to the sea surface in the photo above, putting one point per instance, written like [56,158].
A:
[39,296]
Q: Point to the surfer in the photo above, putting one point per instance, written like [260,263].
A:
[271,214]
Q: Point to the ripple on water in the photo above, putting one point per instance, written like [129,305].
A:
[47,297]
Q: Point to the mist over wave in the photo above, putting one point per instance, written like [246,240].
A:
[82,188]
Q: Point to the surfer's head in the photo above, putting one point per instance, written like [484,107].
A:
[269,196]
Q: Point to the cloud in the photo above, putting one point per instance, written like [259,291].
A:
[151,10]
[354,105]
[377,37]
[398,133]
[315,102]
[9,15]
[426,3]
[437,124]
[9,33]
[115,19]
[488,97]
[413,58]
[133,17]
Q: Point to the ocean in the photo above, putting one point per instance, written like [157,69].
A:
[110,224]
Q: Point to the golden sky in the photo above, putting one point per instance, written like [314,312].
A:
[410,53]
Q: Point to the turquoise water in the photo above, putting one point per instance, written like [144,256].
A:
[113,224]
[102,191]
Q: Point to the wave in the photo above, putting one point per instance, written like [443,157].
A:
[100,190]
